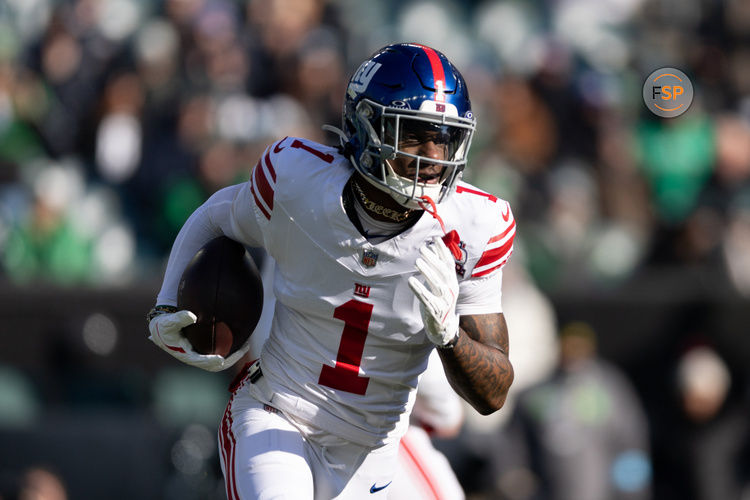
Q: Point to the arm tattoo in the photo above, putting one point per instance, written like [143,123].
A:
[478,367]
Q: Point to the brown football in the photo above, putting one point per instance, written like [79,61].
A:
[221,285]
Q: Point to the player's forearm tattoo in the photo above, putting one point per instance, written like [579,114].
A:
[478,367]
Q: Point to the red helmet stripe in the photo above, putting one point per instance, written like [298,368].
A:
[438,74]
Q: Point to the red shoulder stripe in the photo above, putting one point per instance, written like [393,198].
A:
[270,167]
[257,200]
[264,188]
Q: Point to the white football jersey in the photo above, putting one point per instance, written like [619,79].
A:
[347,345]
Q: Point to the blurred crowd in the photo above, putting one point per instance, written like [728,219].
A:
[119,117]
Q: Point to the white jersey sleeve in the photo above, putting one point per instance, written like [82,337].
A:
[229,212]
[499,246]
[487,243]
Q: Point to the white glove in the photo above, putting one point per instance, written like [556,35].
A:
[166,332]
[438,304]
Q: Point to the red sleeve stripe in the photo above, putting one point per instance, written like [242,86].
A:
[264,188]
[258,201]
[502,235]
[497,243]
[494,254]
[478,274]
[269,165]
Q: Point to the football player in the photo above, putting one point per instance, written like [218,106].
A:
[382,255]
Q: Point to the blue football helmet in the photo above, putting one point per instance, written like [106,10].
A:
[402,95]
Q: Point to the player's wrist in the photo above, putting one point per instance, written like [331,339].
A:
[159,309]
[451,343]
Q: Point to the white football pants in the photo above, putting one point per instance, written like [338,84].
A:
[264,456]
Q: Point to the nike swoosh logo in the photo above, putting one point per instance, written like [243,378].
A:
[506,213]
[276,148]
[375,489]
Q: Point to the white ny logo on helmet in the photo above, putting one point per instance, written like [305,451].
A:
[362,77]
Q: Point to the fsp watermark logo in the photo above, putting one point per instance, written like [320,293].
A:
[668,92]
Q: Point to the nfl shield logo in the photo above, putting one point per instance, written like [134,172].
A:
[369,258]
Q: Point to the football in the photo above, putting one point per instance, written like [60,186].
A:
[222,286]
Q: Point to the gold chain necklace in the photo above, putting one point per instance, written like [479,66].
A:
[373,207]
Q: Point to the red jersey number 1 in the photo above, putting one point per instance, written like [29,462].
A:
[344,376]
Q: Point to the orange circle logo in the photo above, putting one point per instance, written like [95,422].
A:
[667,92]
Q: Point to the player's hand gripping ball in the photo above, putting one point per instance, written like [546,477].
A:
[220,300]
